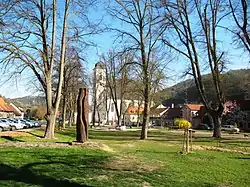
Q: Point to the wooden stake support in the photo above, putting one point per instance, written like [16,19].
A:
[187,141]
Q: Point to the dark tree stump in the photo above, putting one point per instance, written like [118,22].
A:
[82,116]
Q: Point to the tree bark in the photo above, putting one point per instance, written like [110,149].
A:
[99,118]
[217,125]
[144,130]
[82,116]
[64,112]
[50,127]
[51,113]
[70,114]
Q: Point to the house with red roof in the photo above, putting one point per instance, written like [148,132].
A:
[190,111]
[5,109]
[133,114]
[187,111]
[10,110]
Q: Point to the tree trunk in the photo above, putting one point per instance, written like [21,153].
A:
[210,118]
[119,121]
[99,118]
[144,130]
[82,116]
[64,112]
[93,114]
[50,128]
[51,112]
[69,119]
[217,125]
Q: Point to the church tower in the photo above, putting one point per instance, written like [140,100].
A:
[99,81]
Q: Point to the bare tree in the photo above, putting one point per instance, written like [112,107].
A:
[197,42]
[240,14]
[142,32]
[74,78]
[33,30]
[116,81]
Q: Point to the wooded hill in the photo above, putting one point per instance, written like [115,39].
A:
[27,101]
[234,83]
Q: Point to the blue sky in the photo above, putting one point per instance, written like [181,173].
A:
[18,87]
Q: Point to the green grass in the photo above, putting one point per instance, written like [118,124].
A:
[134,162]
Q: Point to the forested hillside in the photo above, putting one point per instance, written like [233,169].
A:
[27,101]
[235,82]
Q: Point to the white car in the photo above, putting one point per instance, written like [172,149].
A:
[4,126]
[230,128]
[17,124]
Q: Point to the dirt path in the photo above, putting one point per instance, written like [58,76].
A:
[208,134]
[95,145]
[14,134]
[212,148]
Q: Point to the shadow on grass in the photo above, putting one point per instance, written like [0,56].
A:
[56,170]
[11,139]
[242,158]
[106,135]
[70,133]
[135,135]
[25,174]
[36,135]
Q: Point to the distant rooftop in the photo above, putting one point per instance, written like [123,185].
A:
[194,106]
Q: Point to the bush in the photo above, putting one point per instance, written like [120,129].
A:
[182,123]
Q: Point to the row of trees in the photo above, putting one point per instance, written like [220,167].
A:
[123,83]
[192,29]
[35,35]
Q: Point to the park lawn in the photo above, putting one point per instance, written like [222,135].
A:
[133,162]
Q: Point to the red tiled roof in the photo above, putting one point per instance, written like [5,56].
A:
[135,110]
[195,107]
[4,107]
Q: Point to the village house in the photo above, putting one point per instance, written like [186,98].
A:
[157,114]
[5,109]
[10,110]
[133,114]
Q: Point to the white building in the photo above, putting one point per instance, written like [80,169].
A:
[105,111]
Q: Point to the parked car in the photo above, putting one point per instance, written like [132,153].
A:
[7,122]
[34,123]
[230,128]
[204,126]
[17,124]
[29,124]
[4,126]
